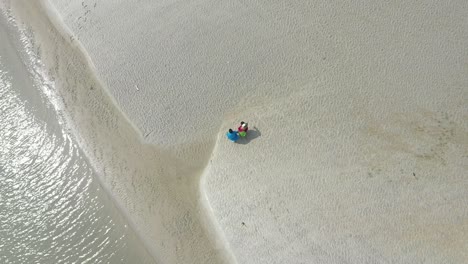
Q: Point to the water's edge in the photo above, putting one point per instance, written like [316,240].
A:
[53,208]
[158,193]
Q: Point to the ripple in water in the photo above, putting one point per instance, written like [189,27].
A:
[51,207]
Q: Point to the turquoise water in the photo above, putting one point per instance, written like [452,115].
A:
[52,208]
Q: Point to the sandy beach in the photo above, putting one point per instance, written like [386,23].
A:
[358,144]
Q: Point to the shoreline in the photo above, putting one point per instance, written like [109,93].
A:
[162,207]
[94,216]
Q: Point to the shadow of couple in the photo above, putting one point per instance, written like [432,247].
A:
[251,135]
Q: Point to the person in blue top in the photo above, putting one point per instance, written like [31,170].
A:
[232,135]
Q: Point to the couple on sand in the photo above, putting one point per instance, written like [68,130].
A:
[235,135]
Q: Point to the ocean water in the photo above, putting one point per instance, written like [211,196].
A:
[52,208]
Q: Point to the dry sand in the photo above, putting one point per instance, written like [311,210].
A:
[359,118]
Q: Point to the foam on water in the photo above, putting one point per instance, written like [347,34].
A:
[52,208]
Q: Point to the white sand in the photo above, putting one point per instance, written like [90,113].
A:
[360,153]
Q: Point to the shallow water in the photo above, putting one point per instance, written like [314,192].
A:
[52,209]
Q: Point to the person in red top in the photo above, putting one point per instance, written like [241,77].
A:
[243,129]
